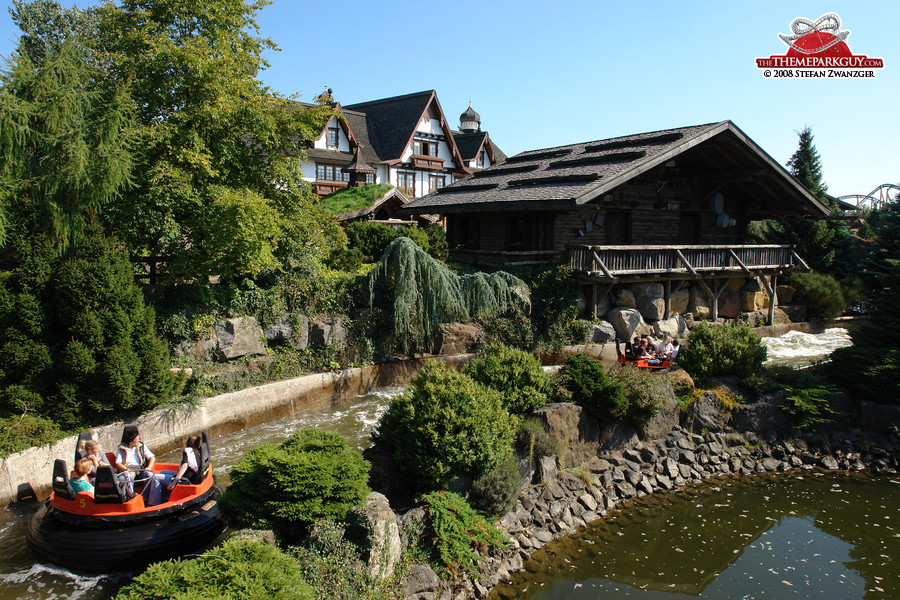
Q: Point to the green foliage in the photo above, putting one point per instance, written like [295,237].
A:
[411,294]
[513,329]
[821,293]
[437,241]
[310,477]
[809,407]
[645,393]
[237,569]
[46,25]
[351,199]
[516,374]
[459,531]
[554,309]
[445,425]
[533,441]
[727,350]
[335,568]
[372,238]
[590,387]
[77,337]
[495,492]
[20,432]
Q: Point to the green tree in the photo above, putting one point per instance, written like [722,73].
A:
[214,138]
[46,24]
[516,374]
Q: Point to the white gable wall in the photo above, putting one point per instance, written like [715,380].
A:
[343,142]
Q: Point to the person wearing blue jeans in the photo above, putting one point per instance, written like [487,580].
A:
[134,456]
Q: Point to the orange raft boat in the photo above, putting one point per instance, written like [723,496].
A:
[627,358]
[107,531]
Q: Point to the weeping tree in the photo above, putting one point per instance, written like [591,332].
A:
[414,294]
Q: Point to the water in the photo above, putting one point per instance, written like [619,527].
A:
[21,578]
[797,349]
[774,536]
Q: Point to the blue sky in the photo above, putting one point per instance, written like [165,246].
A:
[544,73]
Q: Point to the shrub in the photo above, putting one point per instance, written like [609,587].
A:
[513,329]
[516,374]
[445,425]
[586,379]
[808,407]
[726,350]
[458,531]
[437,241]
[20,432]
[237,569]
[533,441]
[310,477]
[372,238]
[821,293]
[495,492]
[554,300]
[644,392]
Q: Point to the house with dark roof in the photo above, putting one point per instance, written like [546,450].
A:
[405,141]
[667,206]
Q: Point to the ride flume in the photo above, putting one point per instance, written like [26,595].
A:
[114,528]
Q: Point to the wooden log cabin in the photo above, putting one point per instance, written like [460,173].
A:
[666,206]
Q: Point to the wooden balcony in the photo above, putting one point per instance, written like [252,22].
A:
[433,163]
[617,264]
[324,187]
[496,258]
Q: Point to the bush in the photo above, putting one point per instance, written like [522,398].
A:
[513,329]
[458,531]
[437,241]
[516,374]
[822,294]
[20,432]
[808,407]
[237,569]
[586,379]
[554,298]
[533,441]
[726,350]
[445,425]
[495,492]
[645,393]
[310,477]
[372,238]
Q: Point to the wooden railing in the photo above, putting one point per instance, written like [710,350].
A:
[611,262]
[497,258]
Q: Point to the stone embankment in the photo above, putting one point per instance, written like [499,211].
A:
[566,499]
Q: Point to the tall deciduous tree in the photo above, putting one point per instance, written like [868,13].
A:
[220,146]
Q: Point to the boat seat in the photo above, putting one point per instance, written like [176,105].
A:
[62,487]
[203,471]
[106,488]
[82,437]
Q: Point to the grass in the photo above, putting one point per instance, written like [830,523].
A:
[352,199]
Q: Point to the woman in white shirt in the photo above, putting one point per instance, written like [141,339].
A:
[190,462]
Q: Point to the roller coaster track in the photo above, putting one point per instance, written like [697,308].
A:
[875,199]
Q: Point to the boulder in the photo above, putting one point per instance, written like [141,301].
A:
[729,304]
[628,323]
[422,578]
[706,414]
[796,313]
[785,293]
[327,331]
[241,336]
[576,431]
[761,317]
[458,338]
[764,416]
[622,296]
[679,378]
[202,349]
[880,418]
[617,435]
[649,300]
[751,301]
[700,305]
[659,426]
[603,305]
[678,302]
[601,332]
[283,332]
[735,283]
[380,524]
[674,327]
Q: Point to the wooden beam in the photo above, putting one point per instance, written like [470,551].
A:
[601,265]
[668,299]
[800,260]
[685,262]
[738,261]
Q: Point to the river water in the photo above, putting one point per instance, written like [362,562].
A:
[797,349]
[21,578]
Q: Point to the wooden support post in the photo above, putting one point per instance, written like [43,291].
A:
[771,285]
[668,299]
[594,298]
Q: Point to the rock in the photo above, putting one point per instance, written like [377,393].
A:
[764,417]
[673,327]
[829,462]
[660,425]
[615,435]
[699,304]
[628,323]
[458,338]
[202,349]
[241,336]
[601,332]
[729,304]
[751,301]
[880,418]
[574,429]
[842,405]
[422,578]
[603,305]
[678,301]
[785,293]
[262,536]
[649,300]
[622,296]
[679,378]
[327,331]
[546,470]
[283,332]
[796,313]
[706,413]
[380,523]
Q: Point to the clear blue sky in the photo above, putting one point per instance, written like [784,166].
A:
[550,73]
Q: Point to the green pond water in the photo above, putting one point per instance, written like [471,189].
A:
[797,535]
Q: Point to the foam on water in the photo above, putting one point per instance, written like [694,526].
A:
[798,349]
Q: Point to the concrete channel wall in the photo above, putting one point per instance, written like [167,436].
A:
[163,430]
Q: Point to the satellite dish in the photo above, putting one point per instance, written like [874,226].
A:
[717,203]
[722,221]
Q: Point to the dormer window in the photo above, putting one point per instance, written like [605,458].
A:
[332,138]
[425,148]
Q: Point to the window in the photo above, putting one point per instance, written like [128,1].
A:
[332,137]
[435,182]
[370,177]
[425,148]
[330,173]
[407,183]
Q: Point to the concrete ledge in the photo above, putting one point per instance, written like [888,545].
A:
[163,430]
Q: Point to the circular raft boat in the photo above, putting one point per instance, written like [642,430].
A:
[107,531]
